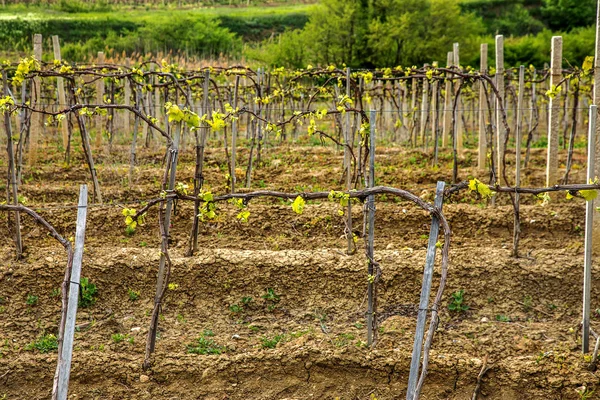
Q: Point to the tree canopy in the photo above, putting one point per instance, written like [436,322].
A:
[386,33]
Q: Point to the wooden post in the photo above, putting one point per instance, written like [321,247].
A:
[87,149]
[371,238]
[518,139]
[36,118]
[435,118]
[589,224]
[554,113]
[13,187]
[458,130]
[99,100]
[447,104]
[347,163]
[147,106]
[532,118]
[424,110]
[132,151]
[414,88]
[424,300]
[158,108]
[62,98]
[64,362]
[127,100]
[160,281]
[482,153]
[402,94]
[234,132]
[596,101]
[500,129]
[200,137]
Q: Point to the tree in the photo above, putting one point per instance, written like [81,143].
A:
[419,31]
[368,33]
[568,14]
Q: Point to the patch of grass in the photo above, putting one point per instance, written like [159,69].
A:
[87,293]
[271,343]
[246,301]
[502,318]
[270,295]
[117,337]
[44,344]
[133,295]
[204,345]
[343,339]
[32,300]
[236,308]
[456,302]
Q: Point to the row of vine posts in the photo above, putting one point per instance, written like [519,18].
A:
[459,108]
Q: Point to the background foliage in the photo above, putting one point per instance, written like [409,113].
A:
[358,33]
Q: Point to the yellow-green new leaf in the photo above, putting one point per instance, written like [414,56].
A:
[481,188]
[589,194]
[298,205]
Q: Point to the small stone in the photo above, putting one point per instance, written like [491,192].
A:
[144,378]
[236,336]
[136,329]
[49,259]
[485,319]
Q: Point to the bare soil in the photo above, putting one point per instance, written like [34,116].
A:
[523,313]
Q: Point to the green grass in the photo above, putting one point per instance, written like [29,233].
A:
[199,32]
[44,344]
[33,12]
[204,345]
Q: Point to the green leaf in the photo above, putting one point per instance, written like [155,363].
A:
[481,188]
[298,205]
[589,194]
[243,216]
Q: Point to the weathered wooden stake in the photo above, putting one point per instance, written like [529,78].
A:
[13,187]
[458,129]
[596,101]
[62,98]
[347,163]
[589,224]
[234,133]
[64,362]
[199,170]
[447,104]
[36,101]
[132,150]
[518,138]
[415,362]
[160,281]
[424,110]
[127,100]
[371,238]
[554,113]
[482,153]
[99,100]
[500,129]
